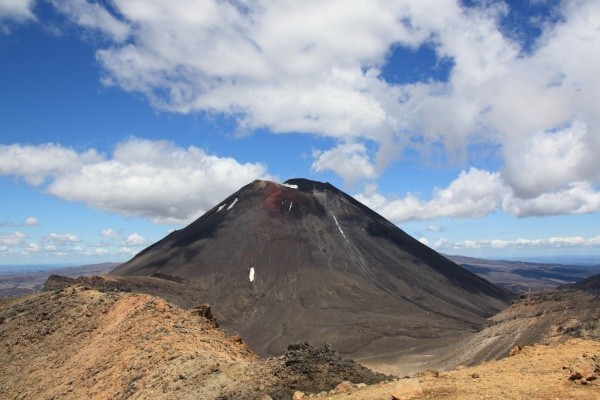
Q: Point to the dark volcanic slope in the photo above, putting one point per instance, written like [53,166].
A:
[305,261]
[591,284]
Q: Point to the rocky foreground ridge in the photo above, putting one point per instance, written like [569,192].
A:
[75,342]
[538,317]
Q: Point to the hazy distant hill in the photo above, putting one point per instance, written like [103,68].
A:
[21,283]
[520,276]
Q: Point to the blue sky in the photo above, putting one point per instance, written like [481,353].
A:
[472,125]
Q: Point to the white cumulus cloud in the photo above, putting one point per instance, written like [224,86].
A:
[290,67]
[110,233]
[443,244]
[16,10]
[93,15]
[36,163]
[316,67]
[575,198]
[61,238]
[31,221]
[474,193]
[134,240]
[35,248]
[549,161]
[435,228]
[12,239]
[348,160]
[153,179]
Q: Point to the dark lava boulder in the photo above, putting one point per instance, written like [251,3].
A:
[314,369]
[305,261]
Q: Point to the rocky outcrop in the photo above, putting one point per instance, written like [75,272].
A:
[58,282]
[316,369]
[205,312]
[406,389]
[584,369]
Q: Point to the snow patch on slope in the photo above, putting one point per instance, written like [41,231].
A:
[339,227]
[221,207]
[232,204]
[290,186]
[251,276]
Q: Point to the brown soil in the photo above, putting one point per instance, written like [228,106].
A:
[535,372]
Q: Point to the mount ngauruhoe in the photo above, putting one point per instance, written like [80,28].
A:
[305,261]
